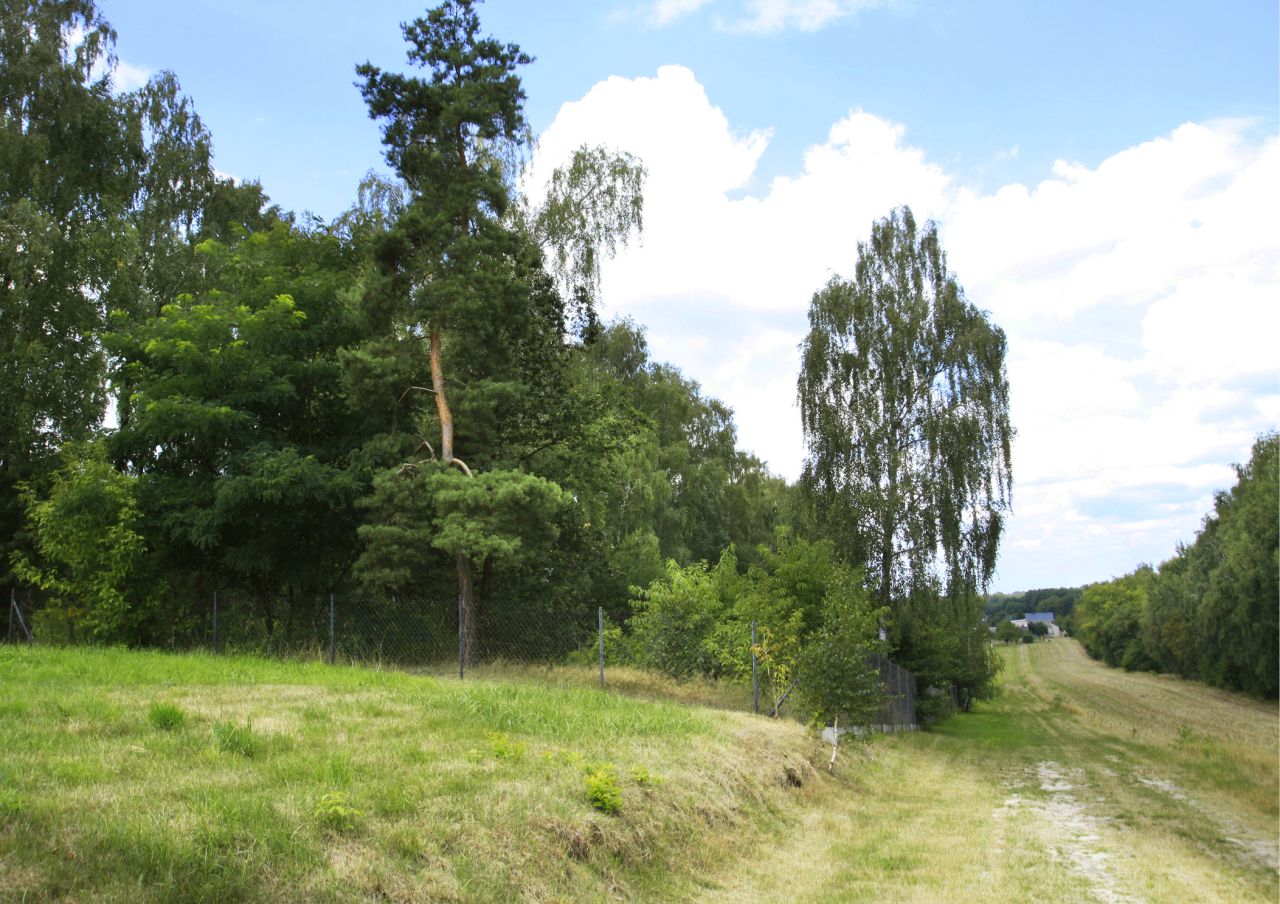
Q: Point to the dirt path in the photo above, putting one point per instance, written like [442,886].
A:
[1078,783]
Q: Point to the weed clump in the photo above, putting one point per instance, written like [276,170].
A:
[335,813]
[643,777]
[603,790]
[166,717]
[504,748]
[237,739]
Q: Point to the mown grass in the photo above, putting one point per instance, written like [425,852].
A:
[154,777]
[1077,783]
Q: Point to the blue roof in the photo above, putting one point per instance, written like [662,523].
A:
[1039,616]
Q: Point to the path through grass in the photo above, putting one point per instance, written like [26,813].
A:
[1079,783]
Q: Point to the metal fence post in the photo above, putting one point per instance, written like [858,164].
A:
[14,610]
[215,621]
[600,624]
[755,674]
[332,636]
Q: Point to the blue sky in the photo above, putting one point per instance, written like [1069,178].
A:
[1102,173]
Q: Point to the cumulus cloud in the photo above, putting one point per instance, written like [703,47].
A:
[128,77]
[1138,297]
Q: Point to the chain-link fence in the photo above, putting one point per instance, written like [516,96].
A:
[442,636]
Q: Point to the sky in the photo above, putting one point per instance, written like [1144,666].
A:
[1103,177]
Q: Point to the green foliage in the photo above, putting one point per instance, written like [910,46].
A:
[1039,629]
[504,748]
[905,407]
[1109,616]
[1238,620]
[1210,611]
[643,777]
[167,717]
[837,679]
[676,616]
[814,621]
[419,508]
[234,420]
[334,813]
[1008,632]
[603,790]
[1061,601]
[592,206]
[86,532]
[100,192]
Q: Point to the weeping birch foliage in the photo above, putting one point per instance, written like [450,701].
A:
[904,403]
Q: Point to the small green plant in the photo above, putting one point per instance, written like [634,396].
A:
[603,790]
[572,758]
[335,813]
[166,717]
[237,739]
[504,748]
[643,777]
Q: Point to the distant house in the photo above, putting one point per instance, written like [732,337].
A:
[1046,618]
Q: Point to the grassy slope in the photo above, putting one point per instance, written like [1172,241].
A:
[464,791]
[1078,783]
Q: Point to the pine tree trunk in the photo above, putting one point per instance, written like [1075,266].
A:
[467,609]
[468,615]
[442,403]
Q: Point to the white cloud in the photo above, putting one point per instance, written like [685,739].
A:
[760,16]
[124,76]
[769,16]
[664,12]
[128,77]
[1139,299]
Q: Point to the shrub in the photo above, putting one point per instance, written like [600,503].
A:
[603,790]
[836,678]
[643,777]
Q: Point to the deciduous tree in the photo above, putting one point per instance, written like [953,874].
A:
[905,408]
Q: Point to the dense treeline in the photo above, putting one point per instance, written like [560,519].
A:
[271,382]
[1061,601]
[417,404]
[1210,612]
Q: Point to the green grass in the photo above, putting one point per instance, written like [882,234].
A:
[1076,783]
[153,777]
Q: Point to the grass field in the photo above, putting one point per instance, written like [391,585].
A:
[152,777]
[1078,783]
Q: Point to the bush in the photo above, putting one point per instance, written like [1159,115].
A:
[603,790]
[836,677]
